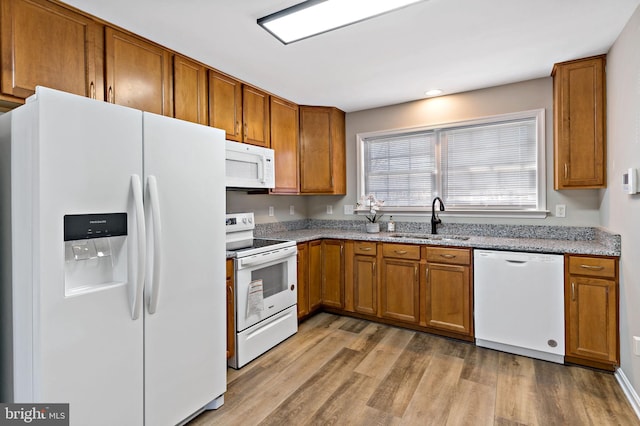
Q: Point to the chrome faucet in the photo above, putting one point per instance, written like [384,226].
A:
[435,220]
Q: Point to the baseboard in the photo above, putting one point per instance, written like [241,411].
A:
[628,390]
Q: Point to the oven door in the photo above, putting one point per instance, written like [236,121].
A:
[265,285]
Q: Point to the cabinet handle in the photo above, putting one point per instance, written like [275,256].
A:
[92,90]
[566,170]
[415,273]
[448,256]
[246,131]
[427,273]
[400,251]
[592,267]
[237,127]
[365,248]
[110,95]
[573,292]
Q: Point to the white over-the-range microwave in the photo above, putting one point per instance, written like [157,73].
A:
[249,166]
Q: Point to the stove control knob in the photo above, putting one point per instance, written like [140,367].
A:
[244,220]
[250,220]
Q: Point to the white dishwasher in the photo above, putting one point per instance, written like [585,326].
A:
[519,303]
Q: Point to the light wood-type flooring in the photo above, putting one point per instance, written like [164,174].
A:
[344,371]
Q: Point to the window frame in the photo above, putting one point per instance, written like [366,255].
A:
[539,212]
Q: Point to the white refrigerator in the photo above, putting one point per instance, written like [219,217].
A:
[112,261]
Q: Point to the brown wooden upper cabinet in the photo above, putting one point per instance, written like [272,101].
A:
[579,123]
[189,90]
[225,104]
[138,73]
[284,141]
[255,116]
[48,45]
[322,150]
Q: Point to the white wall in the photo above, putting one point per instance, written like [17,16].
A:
[621,212]
[582,205]
[238,202]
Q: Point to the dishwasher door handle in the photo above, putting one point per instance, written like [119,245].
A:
[516,262]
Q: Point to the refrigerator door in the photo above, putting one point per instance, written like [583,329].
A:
[185,296]
[87,350]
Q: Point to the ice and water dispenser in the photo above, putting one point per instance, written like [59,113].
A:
[95,252]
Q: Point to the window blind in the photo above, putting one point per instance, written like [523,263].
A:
[400,169]
[491,166]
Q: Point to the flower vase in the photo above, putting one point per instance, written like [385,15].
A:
[373,228]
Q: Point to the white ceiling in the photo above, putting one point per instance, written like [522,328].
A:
[454,45]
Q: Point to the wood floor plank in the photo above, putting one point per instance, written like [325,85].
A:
[516,387]
[434,394]
[380,360]
[305,401]
[347,371]
[473,404]
[481,366]
[398,387]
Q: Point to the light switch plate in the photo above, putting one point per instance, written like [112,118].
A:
[329,209]
[561,210]
[636,345]
[271,212]
[292,210]
[348,209]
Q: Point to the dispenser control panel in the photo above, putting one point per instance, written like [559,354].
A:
[86,226]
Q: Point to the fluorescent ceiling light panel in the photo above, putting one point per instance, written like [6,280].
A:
[314,17]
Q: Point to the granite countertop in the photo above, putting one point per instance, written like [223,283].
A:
[536,239]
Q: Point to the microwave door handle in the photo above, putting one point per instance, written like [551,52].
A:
[264,170]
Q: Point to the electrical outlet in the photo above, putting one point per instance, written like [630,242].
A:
[348,209]
[636,345]
[329,209]
[561,210]
[292,210]
[271,212]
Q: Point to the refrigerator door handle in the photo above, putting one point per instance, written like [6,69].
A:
[152,185]
[136,302]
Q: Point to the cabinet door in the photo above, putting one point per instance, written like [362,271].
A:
[315,275]
[225,105]
[448,298]
[255,117]
[399,290]
[333,273]
[189,90]
[365,286]
[231,303]
[316,169]
[303,280]
[591,305]
[284,141]
[579,124]
[45,44]
[138,73]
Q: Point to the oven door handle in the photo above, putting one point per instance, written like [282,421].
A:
[259,259]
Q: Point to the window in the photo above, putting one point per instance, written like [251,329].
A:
[494,165]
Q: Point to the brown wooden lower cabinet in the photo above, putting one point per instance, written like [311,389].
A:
[591,311]
[315,275]
[365,278]
[231,326]
[303,280]
[449,290]
[333,273]
[431,289]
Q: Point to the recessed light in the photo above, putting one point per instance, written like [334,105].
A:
[434,92]
[314,17]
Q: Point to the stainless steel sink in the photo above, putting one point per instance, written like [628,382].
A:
[430,237]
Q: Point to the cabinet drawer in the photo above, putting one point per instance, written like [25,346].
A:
[401,251]
[592,266]
[367,248]
[449,255]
